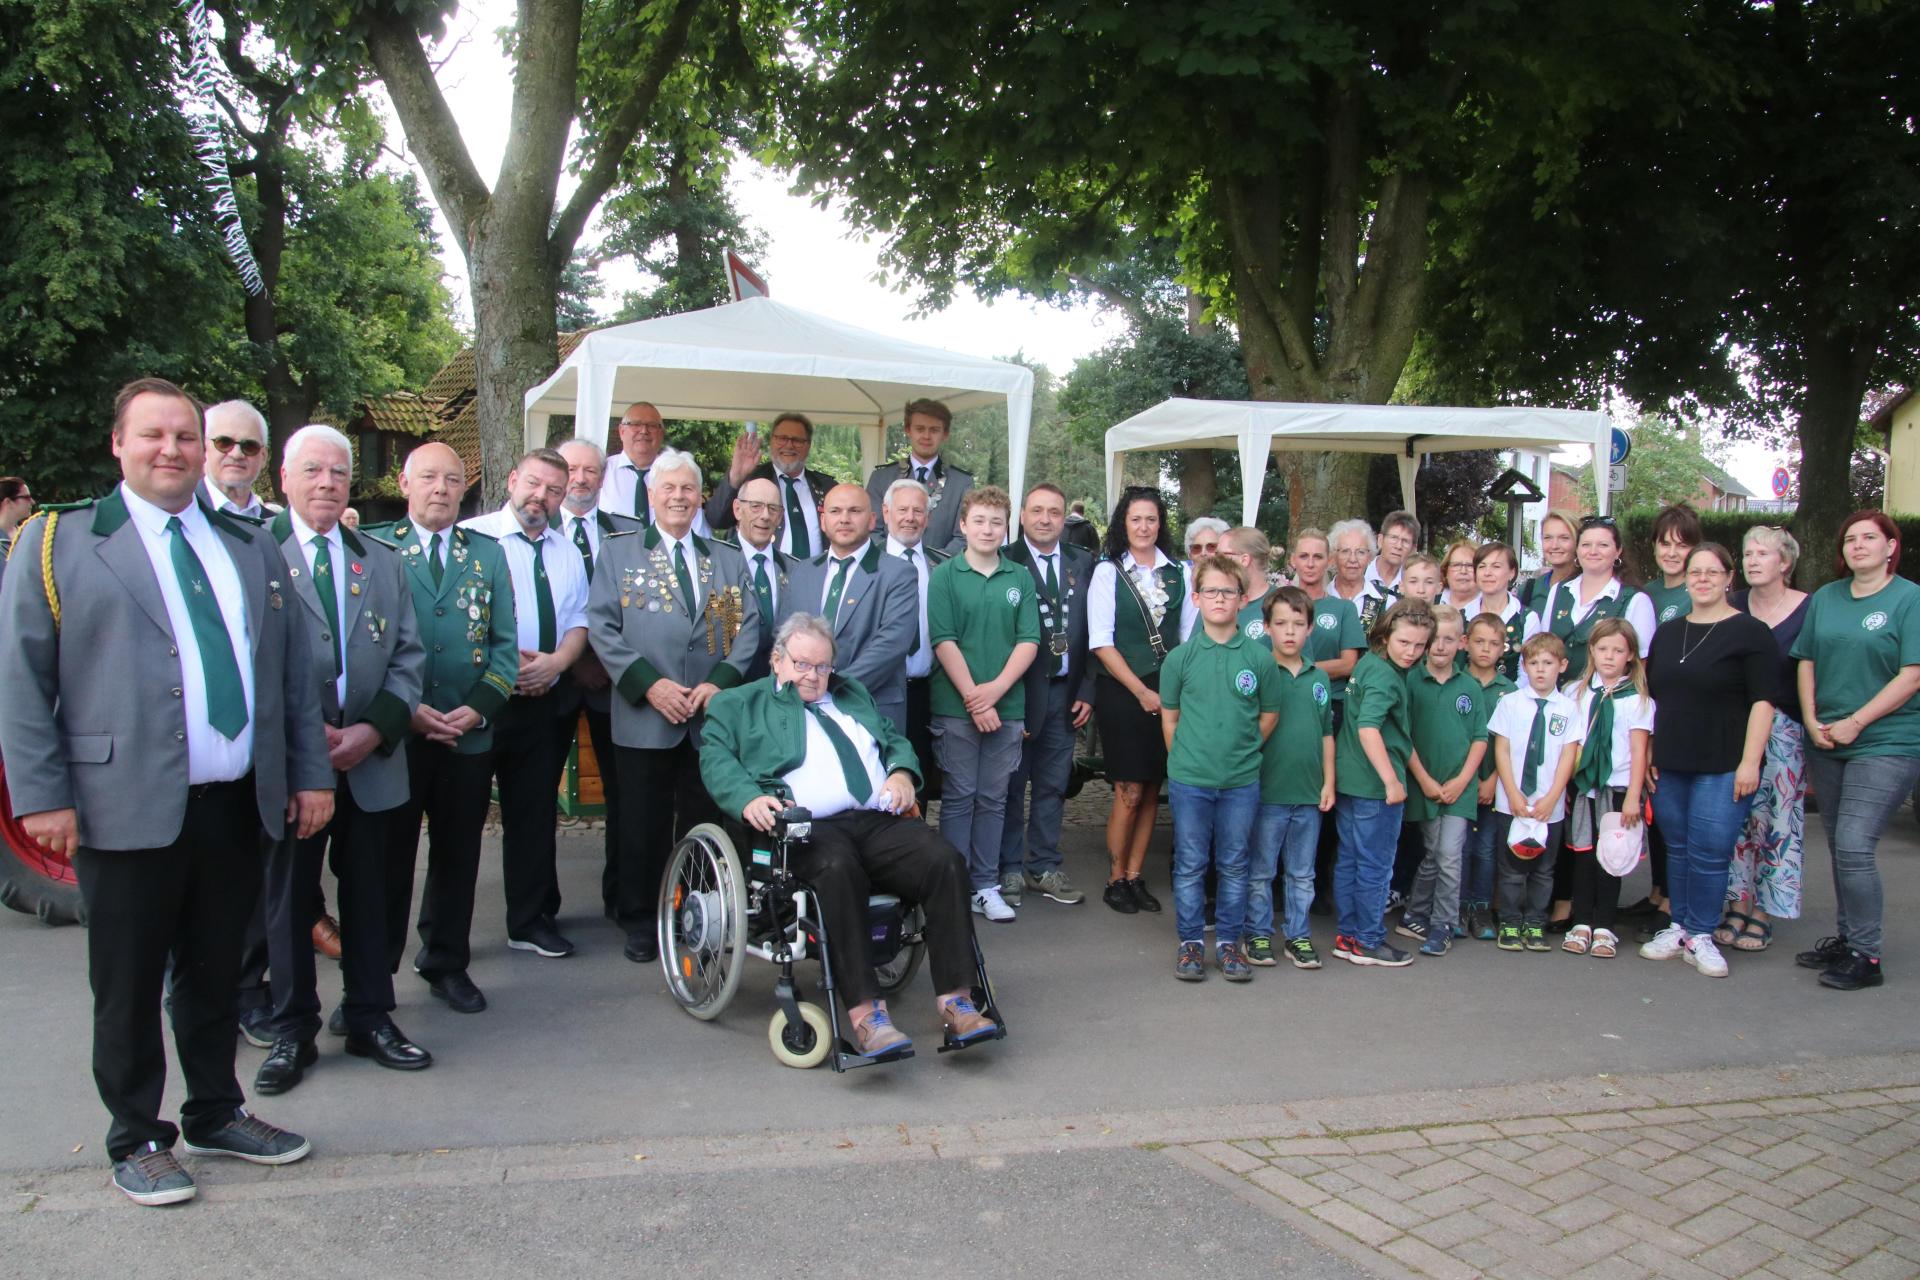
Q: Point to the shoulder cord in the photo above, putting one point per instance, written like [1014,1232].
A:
[46,569]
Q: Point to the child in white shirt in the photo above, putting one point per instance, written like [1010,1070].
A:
[1610,778]
[1536,734]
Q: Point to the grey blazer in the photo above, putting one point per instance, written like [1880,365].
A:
[385,660]
[879,617]
[783,566]
[943,499]
[1076,572]
[92,719]
[569,689]
[637,622]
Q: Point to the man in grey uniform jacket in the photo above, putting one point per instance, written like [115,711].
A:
[367,663]
[160,715]
[674,619]
[928,424]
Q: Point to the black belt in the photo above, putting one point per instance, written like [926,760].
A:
[209,790]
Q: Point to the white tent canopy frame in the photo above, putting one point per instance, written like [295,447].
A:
[753,359]
[1256,428]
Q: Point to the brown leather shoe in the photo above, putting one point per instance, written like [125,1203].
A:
[965,1023]
[875,1034]
[326,937]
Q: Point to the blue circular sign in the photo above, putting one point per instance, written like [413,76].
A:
[1621,447]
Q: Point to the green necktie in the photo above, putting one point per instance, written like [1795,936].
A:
[329,597]
[859,785]
[586,547]
[680,575]
[226,696]
[642,500]
[1536,747]
[543,597]
[438,570]
[906,553]
[797,520]
[831,609]
[763,587]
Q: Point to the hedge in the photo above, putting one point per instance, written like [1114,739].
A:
[1729,528]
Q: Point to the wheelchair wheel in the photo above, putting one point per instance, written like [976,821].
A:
[805,1045]
[703,921]
[893,976]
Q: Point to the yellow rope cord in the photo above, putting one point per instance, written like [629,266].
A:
[46,568]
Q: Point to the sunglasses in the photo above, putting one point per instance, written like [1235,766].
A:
[247,448]
[1596,522]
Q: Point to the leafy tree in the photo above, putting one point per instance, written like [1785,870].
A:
[673,225]
[1296,156]
[580,289]
[1666,464]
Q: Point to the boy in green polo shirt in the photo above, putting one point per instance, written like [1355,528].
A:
[1449,713]
[983,621]
[1219,699]
[1296,785]
[1487,641]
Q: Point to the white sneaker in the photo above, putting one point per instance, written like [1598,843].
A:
[1703,955]
[988,902]
[1666,944]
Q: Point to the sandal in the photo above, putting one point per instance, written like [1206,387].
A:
[1605,945]
[1577,940]
[1731,926]
[1755,935]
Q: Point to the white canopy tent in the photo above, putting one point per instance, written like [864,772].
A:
[750,360]
[1255,428]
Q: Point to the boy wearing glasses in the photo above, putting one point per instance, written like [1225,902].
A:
[236,454]
[801,489]
[1231,687]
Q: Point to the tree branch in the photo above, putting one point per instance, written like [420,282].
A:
[1118,299]
[430,127]
[1341,264]
[1256,271]
[622,129]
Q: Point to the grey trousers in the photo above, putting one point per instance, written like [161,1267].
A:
[1857,797]
[975,768]
[1046,763]
[1436,887]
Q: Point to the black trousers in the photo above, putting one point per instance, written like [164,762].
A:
[1325,853]
[852,855]
[189,900]
[668,799]
[356,845]
[920,735]
[529,755]
[450,790]
[600,731]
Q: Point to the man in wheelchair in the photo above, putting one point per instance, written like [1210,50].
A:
[805,733]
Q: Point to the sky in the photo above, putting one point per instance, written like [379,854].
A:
[815,260]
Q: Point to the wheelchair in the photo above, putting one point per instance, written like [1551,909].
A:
[715,912]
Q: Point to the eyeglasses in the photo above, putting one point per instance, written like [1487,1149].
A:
[789,439]
[1217,593]
[764,507]
[247,448]
[1707,573]
[804,669]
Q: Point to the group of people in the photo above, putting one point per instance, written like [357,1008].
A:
[778,638]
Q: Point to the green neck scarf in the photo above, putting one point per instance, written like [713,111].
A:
[1596,753]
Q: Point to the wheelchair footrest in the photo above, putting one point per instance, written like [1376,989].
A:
[953,1044]
[846,1058]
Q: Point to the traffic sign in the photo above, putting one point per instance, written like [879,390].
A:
[1621,447]
[1781,482]
[1616,479]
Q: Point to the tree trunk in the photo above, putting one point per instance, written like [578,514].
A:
[1836,376]
[1198,490]
[1322,487]
[514,338]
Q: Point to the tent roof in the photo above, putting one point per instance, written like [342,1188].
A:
[755,358]
[1222,424]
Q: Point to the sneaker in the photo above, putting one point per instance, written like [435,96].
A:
[1233,963]
[1853,973]
[988,902]
[1534,938]
[1118,896]
[1826,953]
[1509,938]
[1665,945]
[152,1175]
[543,940]
[1301,952]
[875,1034]
[1055,887]
[1396,901]
[1412,929]
[1260,952]
[1144,900]
[256,1027]
[1480,922]
[1011,884]
[1383,954]
[1436,945]
[1344,947]
[248,1137]
[1578,939]
[1704,955]
[1191,964]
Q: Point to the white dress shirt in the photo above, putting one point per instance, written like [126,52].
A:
[826,582]
[1101,589]
[426,538]
[1379,588]
[567,522]
[757,556]
[211,755]
[1639,611]
[920,661]
[809,514]
[619,486]
[342,570]
[692,554]
[566,576]
[1041,559]
[820,784]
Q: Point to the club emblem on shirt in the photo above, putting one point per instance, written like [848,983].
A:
[1669,613]
[1464,704]
[1326,622]
[1013,595]
[1556,725]
[1246,682]
[1320,695]
[1874,621]
[1256,630]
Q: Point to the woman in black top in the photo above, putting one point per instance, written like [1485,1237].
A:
[1712,672]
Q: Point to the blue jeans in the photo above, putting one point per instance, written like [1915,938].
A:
[1211,823]
[1284,838]
[1046,764]
[1482,839]
[1369,836]
[1702,820]
[1856,799]
[974,769]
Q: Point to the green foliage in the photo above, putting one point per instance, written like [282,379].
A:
[675,227]
[1666,465]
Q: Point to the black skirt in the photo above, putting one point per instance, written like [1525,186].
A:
[1130,737]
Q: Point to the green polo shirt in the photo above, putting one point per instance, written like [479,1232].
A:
[1336,628]
[1490,693]
[1447,720]
[1292,767]
[1376,699]
[986,615]
[1252,625]
[1856,646]
[1220,691]
[1668,602]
